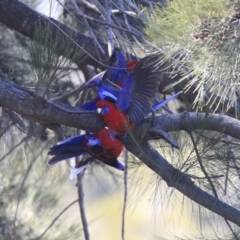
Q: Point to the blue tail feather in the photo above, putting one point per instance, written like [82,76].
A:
[114,163]
[158,105]
[71,145]
[63,156]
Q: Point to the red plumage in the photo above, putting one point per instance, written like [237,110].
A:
[101,145]
[112,147]
[117,122]
[131,65]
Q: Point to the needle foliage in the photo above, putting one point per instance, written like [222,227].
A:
[45,65]
[201,40]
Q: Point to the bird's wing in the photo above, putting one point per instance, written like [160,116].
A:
[63,156]
[68,148]
[140,88]
[117,69]
[69,144]
[90,106]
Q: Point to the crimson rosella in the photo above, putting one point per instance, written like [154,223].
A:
[109,82]
[135,99]
[116,120]
[101,145]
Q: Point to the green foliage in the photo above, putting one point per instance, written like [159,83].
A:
[179,20]
[46,65]
[201,40]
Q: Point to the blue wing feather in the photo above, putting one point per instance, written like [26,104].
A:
[71,147]
[125,95]
[117,70]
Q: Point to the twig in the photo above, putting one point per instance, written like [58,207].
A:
[12,149]
[110,41]
[130,13]
[125,193]
[16,119]
[132,5]
[23,182]
[232,155]
[89,5]
[201,165]
[126,23]
[56,218]
[196,177]
[107,24]
[81,205]
[79,12]
[147,3]
[226,178]
[5,129]
[208,178]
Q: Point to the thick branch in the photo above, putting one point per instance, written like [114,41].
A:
[30,105]
[180,181]
[23,19]
[190,121]
[41,110]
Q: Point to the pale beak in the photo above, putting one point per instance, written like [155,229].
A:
[99,110]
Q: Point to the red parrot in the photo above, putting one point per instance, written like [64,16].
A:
[135,99]
[131,65]
[117,122]
[109,82]
[101,145]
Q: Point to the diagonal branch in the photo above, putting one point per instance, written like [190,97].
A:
[41,110]
[23,19]
[190,121]
[19,17]
[175,178]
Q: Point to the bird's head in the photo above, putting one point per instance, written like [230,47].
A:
[104,107]
[131,65]
[103,111]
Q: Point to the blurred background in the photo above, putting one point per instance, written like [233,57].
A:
[40,202]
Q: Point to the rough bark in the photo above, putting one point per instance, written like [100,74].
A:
[23,19]
[178,180]
[41,110]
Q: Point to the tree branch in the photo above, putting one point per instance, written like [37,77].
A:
[41,110]
[190,121]
[30,105]
[23,19]
[33,106]
[178,180]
